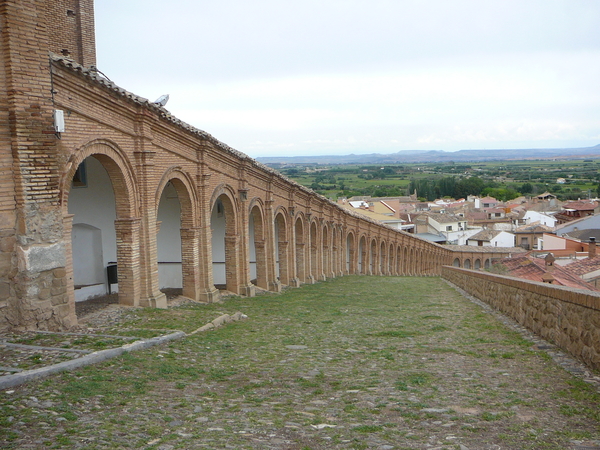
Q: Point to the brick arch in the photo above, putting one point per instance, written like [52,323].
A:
[350,253]
[281,235]
[186,192]
[127,224]
[300,247]
[392,256]
[257,244]
[188,200]
[224,191]
[119,169]
[477,264]
[256,209]
[232,240]
[326,249]
[315,249]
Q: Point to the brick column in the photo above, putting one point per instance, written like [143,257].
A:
[232,265]
[284,277]
[128,260]
[271,260]
[261,264]
[206,285]
[150,293]
[190,262]
[243,249]
[301,261]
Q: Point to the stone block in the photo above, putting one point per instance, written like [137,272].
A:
[4,291]
[7,244]
[60,273]
[5,264]
[40,258]
[221,320]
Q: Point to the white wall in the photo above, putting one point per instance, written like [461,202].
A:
[93,237]
[168,240]
[504,239]
[217,225]
[534,216]
[251,237]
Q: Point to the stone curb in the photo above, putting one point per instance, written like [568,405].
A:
[9,381]
[220,321]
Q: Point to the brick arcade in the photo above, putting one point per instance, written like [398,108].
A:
[126,184]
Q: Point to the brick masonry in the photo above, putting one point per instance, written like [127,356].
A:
[46,64]
[570,318]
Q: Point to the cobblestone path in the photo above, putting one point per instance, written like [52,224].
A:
[352,363]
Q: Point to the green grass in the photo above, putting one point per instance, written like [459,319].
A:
[384,359]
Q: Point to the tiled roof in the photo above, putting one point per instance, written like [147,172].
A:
[534,227]
[476,215]
[446,218]
[584,235]
[477,249]
[94,76]
[530,268]
[484,235]
[580,205]
[583,266]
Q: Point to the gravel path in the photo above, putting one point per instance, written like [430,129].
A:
[355,363]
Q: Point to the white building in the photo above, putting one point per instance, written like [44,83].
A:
[544,219]
[492,238]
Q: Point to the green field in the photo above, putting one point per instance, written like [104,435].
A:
[506,179]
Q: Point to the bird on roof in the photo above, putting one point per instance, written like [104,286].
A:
[162,100]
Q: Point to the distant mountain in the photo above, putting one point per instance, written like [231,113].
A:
[416,156]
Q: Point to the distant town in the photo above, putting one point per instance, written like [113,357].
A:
[545,210]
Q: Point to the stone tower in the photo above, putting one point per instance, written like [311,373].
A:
[32,255]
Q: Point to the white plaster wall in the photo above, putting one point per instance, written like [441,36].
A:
[93,207]
[217,225]
[504,239]
[168,244]
[252,248]
[535,216]
[276,245]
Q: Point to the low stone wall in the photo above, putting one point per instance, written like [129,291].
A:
[570,318]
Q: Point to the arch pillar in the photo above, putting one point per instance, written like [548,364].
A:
[242,252]
[190,262]
[284,276]
[148,272]
[234,279]
[261,266]
[128,262]
[207,291]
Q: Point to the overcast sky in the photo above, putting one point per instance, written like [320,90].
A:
[278,77]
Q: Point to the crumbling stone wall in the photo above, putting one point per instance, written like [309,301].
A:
[570,318]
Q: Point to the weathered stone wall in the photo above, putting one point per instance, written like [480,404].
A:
[568,317]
